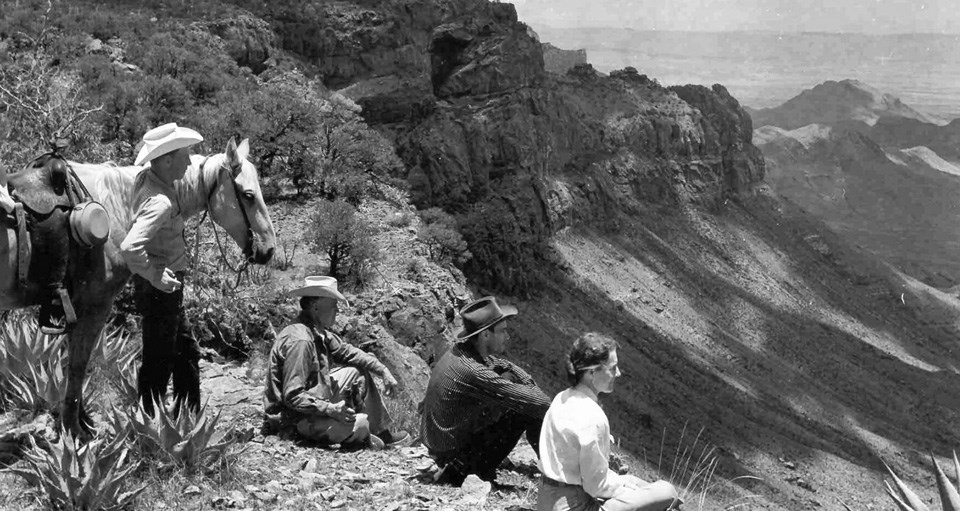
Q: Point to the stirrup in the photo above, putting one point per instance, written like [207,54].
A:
[46,320]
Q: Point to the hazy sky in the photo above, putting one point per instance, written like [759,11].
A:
[865,16]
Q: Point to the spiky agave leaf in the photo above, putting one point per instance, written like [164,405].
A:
[909,497]
[903,506]
[949,497]
[956,466]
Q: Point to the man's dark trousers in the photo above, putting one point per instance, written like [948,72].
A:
[168,347]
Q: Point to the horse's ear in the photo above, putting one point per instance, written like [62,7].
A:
[233,158]
[243,150]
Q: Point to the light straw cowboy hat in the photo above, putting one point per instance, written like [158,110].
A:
[319,286]
[482,314]
[163,139]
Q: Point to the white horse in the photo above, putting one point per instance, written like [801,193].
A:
[225,185]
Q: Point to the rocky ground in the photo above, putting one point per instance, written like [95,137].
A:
[284,473]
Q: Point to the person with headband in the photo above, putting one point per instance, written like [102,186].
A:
[575,442]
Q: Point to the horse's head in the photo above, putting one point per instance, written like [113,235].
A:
[237,205]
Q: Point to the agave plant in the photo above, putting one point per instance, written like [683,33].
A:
[85,477]
[31,366]
[188,439]
[907,500]
[118,358]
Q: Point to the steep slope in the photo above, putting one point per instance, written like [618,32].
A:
[805,361]
[829,102]
[896,204]
[905,133]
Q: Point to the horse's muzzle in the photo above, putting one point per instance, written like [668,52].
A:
[260,254]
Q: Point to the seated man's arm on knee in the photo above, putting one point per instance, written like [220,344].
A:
[302,390]
[511,371]
[487,385]
[350,355]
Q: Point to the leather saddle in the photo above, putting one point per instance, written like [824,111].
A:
[44,193]
[43,186]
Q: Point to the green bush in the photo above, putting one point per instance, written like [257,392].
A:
[347,240]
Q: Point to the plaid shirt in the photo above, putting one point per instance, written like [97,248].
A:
[466,394]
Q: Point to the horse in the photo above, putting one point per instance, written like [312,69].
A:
[224,185]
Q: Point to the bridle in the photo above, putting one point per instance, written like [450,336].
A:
[248,249]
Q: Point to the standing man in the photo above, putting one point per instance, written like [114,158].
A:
[477,404]
[155,251]
[322,401]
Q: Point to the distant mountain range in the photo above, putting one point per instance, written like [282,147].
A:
[876,170]
[846,100]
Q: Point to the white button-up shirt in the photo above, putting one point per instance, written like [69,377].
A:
[575,443]
[155,240]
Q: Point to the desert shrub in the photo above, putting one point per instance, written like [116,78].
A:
[400,219]
[347,240]
[439,233]
[42,103]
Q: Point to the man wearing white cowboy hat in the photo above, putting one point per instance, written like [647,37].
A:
[155,251]
[477,404]
[304,392]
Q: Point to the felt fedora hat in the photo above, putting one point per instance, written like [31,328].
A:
[482,314]
[319,286]
[163,139]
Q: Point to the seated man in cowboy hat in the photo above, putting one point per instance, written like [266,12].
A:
[155,251]
[305,391]
[477,404]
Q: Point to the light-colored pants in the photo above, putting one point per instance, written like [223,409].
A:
[635,495]
[329,430]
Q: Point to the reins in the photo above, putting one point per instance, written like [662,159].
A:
[216,235]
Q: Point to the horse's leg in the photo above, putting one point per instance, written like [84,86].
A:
[91,317]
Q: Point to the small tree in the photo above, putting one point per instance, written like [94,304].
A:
[346,239]
[438,231]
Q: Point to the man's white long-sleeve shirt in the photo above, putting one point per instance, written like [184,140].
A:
[155,240]
[575,443]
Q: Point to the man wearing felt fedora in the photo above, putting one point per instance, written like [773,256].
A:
[321,386]
[155,251]
[477,404]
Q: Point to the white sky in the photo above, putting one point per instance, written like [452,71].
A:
[863,16]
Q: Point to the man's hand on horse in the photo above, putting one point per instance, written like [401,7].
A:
[341,412]
[168,281]
[390,384]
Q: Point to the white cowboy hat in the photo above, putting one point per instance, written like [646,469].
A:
[163,139]
[319,286]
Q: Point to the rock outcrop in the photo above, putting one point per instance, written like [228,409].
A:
[247,39]
[514,152]
[559,61]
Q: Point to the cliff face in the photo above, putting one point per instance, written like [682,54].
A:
[517,153]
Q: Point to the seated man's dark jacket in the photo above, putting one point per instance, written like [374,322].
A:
[298,377]
[466,394]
